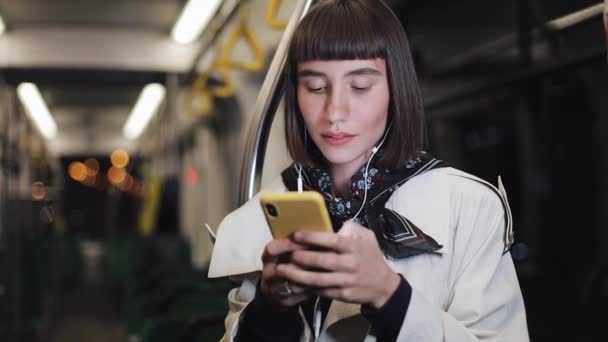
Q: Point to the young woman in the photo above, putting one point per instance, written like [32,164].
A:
[420,252]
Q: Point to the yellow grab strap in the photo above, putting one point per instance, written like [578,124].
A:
[271,16]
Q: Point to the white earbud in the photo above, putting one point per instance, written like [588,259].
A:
[300,182]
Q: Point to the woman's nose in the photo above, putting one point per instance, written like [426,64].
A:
[336,109]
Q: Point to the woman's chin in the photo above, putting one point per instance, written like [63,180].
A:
[338,157]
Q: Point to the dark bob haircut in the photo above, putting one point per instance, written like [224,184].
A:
[357,29]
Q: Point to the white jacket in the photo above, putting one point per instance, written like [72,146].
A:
[467,291]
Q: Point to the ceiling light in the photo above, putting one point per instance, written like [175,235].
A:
[193,20]
[36,109]
[146,106]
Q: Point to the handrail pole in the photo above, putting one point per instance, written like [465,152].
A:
[265,108]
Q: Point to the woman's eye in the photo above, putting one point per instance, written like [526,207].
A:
[316,90]
[361,89]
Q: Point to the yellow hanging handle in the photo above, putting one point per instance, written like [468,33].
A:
[271,16]
[198,100]
[244,31]
[228,89]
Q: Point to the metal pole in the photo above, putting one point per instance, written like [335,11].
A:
[265,108]
[171,151]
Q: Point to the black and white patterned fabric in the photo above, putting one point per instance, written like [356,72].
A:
[397,236]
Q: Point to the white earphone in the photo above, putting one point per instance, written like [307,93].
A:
[375,150]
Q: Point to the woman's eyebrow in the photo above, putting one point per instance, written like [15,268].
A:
[310,73]
[356,72]
[364,71]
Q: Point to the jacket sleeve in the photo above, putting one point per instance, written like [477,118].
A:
[484,301]
[238,300]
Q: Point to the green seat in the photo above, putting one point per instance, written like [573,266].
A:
[183,304]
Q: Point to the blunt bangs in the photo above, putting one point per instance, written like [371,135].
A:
[356,29]
[338,32]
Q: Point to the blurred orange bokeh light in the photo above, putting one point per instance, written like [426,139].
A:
[92,167]
[78,171]
[119,158]
[116,175]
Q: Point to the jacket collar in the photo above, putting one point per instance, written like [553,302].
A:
[242,235]
[425,201]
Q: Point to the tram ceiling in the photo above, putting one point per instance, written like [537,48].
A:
[90,118]
[109,34]
[90,60]
[70,46]
[134,34]
[89,106]
[150,14]
[85,87]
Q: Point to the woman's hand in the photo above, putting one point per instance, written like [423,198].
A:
[350,267]
[277,252]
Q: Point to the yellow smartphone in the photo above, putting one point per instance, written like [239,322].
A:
[287,212]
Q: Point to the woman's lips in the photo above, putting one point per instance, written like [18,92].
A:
[337,139]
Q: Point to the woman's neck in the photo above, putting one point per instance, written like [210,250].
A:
[341,175]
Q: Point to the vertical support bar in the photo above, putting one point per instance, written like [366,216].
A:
[14,225]
[5,112]
[605,14]
[171,111]
[265,108]
[603,124]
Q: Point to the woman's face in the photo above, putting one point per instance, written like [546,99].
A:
[345,107]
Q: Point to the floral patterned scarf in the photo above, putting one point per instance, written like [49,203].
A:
[398,237]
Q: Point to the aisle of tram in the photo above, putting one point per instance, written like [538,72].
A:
[109,199]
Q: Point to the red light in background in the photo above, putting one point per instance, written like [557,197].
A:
[192,176]
[38,191]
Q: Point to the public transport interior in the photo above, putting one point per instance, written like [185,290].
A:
[130,128]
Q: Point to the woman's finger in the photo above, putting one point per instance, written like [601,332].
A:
[352,229]
[275,248]
[330,241]
[326,261]
[293,300]
[334,293]
[307,278]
